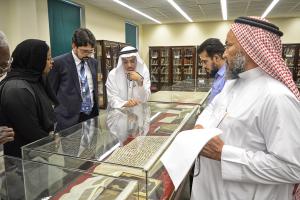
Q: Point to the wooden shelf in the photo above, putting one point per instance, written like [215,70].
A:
[170,59]
[107,55]
[290,53]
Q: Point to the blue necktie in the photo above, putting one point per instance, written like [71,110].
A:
[86,106]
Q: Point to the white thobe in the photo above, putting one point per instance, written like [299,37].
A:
[120,90]
[260,118]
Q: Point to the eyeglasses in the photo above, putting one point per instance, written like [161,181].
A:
[86,51]
[203,62]
[4,67]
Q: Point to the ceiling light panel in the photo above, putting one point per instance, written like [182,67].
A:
[270,7]
[137,11]
[175,5]
[224,9]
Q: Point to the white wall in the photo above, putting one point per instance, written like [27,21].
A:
[4,16]
[104,25]
[22,20]
[141,40]
[43,20]
[196,33]
[181,34]
[290,28]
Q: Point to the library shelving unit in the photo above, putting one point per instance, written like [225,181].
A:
[107,56]
[183,63]
[291,56]
[169,65]
[159,67]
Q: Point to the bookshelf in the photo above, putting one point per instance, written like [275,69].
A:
[107,56]
[165,69]
[169,65]
[159,67]
[183,63]
[291,56]
[201,72]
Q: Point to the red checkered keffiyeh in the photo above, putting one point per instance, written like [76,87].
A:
[265,49]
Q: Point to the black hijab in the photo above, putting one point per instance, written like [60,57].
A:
[29,62]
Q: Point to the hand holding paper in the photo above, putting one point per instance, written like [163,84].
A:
[181,154]
[213,149]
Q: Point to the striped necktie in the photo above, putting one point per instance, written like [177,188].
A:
[86,106]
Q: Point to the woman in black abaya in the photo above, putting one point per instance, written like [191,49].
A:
[26,102]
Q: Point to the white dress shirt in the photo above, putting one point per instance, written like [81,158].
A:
[88,74]
[3,76]
[261,156]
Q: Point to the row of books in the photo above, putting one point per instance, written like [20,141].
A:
[154,54]
[289,52]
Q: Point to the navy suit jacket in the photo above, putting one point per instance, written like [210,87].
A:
[64,81]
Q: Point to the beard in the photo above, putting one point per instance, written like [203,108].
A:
[236,67]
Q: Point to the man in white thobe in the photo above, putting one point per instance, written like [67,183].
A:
[128,84]
[257,156]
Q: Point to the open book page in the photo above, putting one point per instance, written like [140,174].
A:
[138,152]
[102,187]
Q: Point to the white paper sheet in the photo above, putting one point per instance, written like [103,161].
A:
[183,151]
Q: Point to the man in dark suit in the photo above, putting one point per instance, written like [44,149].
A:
[74,81]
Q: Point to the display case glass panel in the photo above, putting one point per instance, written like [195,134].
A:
[23,179]
[127,144]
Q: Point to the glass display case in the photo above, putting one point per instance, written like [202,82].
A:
[28,180]
[127,145]
[199,85]
[187,92]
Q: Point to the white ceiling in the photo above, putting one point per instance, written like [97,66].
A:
[198,10]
